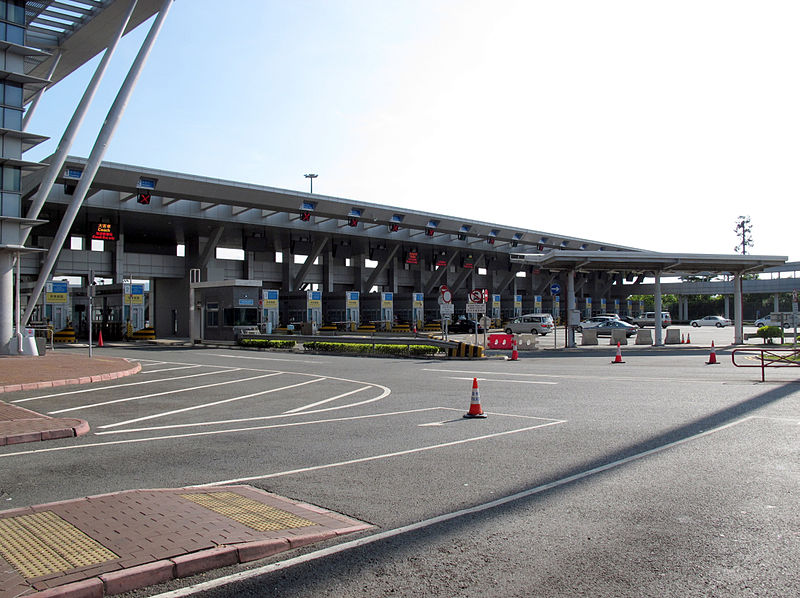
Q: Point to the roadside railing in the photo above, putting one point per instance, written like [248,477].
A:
[766,358]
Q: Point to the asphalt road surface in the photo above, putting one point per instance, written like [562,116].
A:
[661,476]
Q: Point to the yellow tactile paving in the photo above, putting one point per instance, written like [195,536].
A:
[44,543]
[246,511]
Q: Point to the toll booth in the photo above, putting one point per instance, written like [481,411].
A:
[227,306]
[517,306]
[496,312]
[270,310]
[387,311]
[352,309]
[57,304]
[314,309]
[133,306]
[418,310]
[588,307]
[112,308]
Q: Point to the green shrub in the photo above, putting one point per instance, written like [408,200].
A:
[368,348]
[265,343]
[769,332]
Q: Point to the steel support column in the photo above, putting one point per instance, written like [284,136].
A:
[97,153]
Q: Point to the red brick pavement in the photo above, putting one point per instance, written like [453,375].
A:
[154,536]
[54,369]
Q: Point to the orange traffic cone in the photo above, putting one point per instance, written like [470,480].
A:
[688,338]
[514,354]
[683,340]
[712,359]
[475,403]
[618,357]
[99,338]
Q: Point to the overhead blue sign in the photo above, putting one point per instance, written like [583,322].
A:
[246,302]
[555,288]
[60,287]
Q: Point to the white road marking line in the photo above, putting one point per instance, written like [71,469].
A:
[345,546]
[341,396]
[210,433]
[512,381]
[212,404]
[160,394]
[576,377]
[421,449]
[431,424]
[263,358]
[99,388]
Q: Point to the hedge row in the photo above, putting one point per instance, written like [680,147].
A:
[266,344]
[769,332]
[414,350]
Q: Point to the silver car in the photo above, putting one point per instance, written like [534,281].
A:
[531,324]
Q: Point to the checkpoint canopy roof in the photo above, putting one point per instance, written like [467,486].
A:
[650,262]
[77,30]
[190,196]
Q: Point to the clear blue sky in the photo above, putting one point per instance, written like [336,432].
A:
[647,124]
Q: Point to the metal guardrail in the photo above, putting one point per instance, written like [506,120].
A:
[768,358]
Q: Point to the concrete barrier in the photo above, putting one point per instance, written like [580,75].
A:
[643,337]
[527,342]
[618,336]
[673,337]
[589,336]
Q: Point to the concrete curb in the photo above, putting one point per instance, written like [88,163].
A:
[69,381]
[148,574]
[73,427]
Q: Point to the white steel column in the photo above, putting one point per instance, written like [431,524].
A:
[570,306]
[60,156]
[96,156]
[738,333]
[6,302]
[659,331]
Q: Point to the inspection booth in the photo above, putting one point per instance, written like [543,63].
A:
[225,308]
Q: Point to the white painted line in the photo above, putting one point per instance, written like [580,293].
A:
[160,394]
[577,377]
[341,396]
[345,546]
[138,383]
[432,424]
[214,403]
[209,433]
[264,358]
[495,380]
[379,457]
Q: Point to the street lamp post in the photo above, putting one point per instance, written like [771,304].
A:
[311,178]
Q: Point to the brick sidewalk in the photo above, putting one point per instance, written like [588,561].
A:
[18,425]
[112,543]
[60,368]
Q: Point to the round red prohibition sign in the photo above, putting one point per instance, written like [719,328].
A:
[447,296]
[476,296]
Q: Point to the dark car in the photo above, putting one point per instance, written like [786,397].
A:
[463,326]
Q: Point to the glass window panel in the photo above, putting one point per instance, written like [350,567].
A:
[15,35]
[11,178]
[16,12]
[13,94]
[12,119]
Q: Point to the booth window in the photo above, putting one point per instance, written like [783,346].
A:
[240,316]
[212,314]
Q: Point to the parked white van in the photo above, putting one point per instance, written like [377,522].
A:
[531,324]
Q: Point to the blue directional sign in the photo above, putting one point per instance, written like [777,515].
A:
[555,288]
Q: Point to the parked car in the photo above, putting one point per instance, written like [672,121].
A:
[594,322]
[531,323]
[463,325]
[717,321]
[627,319]
[649,319]
[774,319]
[606,328]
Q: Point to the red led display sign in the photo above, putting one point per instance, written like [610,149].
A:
[104,232]
[411,257]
